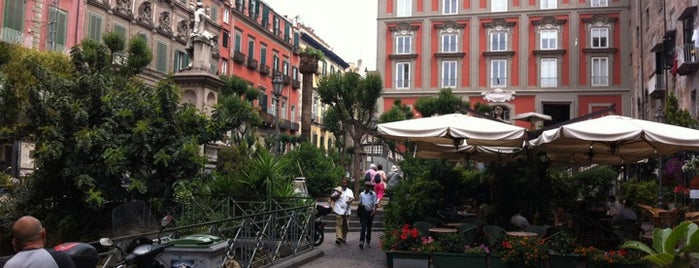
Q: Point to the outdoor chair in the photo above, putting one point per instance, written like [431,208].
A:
[434,221]
[493,234]
[423,227]
[692,216]
[468,231]
[538,229]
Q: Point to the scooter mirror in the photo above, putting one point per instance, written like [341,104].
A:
[166,220]
[106,242]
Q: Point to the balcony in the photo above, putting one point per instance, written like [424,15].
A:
[252,63]
[656,86]
[287,80]
[238,57]
[691,61]
[296,83]
[264,70]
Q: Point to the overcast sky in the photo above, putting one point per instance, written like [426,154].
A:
[348,26]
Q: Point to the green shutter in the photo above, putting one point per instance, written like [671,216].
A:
[61,29]
[263,56]
[120,30]
[162,57]
[95,27]
[251,48]
[296,41]
[238,42]
[214,13]
[265,16]
[13,20]
[287,31]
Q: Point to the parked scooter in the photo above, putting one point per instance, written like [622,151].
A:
[142,252]
[83,255]
[319,230]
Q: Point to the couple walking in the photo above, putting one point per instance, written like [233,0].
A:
[368,203]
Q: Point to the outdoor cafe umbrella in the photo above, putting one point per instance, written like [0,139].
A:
[454,128]
[425,150]
[614,140]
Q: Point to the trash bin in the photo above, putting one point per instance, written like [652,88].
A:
[199,250]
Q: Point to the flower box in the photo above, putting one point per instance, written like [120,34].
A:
[407,259]
[563,260]
[448,260]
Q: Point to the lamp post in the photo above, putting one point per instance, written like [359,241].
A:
[277,86]
[660,118]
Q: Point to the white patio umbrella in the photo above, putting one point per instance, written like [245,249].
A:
[465,152]
[454,128]
[614,139]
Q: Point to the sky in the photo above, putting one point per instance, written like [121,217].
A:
[348,26]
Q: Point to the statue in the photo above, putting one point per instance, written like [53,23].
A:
[199,15]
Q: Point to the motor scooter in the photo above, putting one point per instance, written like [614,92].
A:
[319,229]
[142,252]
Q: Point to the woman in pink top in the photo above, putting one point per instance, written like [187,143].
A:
[380,188]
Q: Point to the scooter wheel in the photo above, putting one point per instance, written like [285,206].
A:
[318,236]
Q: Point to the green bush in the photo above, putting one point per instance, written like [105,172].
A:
[644,192]
[413,200]
[595,184]
[309,161]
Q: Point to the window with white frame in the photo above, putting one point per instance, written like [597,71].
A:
[498,73]
[600,37]
[549,4]
[498,5]
[548,39]
[404,44]
[449,7]
[450,43]
[224,67]
[600,71]
[449,74]
[403,75]
[598,3]
[549,72]
[226,14]
[404,8]
[498,41]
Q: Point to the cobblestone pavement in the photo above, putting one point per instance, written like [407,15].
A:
[349,254]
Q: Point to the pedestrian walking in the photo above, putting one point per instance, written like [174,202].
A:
[368,203]
[343,197]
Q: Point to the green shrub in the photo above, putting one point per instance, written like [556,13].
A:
[644,192]
[307,160]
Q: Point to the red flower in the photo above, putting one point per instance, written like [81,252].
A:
[506,244]
[414,233]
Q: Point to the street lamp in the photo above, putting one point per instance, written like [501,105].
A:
[277,86]
[660,118]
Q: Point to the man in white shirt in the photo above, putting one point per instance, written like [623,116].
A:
[342,211]
[368,202]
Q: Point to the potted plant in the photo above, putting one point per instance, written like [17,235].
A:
[454,252]
[309,60]
[404,246]
[618,258]
[562,247]
[523,252]
[670,247]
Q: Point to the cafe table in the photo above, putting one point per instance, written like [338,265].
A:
[441,231]
[521,234]
[453,224]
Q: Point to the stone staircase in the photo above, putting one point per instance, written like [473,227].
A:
[354,225]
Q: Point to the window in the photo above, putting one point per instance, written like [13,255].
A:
[224,66]
[449,7]
[283,109]
[598,3]
[263,55]
[498,73]
[94,28]
[549,4]
[275,22]
[548,39]
[498,5]
[226,36]
[450,43]
[549,72]
[404,8]
[404,44]
[13,20]
[498,41]
[293,113]
[226,14]
[161,62]
[285,68]
[213,13]
[332,69]
[325,68]
[120,29]
[238,41]
[600,71]
[402,75]
[251,47]
[57,34]
[181,61]
[275,63]
[600,37]
[449,74]
[295,73]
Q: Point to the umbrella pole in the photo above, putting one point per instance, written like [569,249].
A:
[660,181]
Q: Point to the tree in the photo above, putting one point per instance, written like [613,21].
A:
[398,112]
[445,103]
[352,105]
[676,116]
[94,129]
[308,67]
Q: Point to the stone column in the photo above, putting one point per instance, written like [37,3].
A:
[308,67]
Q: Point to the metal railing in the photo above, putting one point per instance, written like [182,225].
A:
[259,232]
